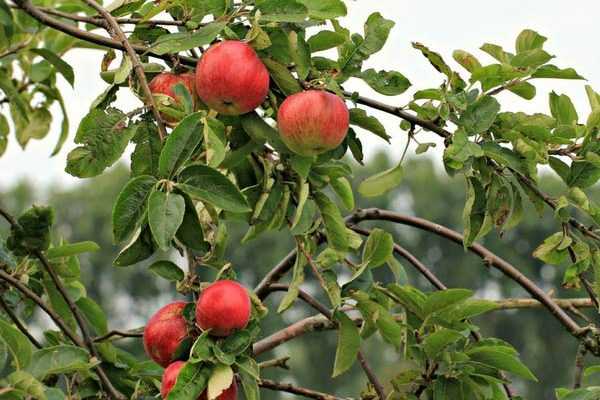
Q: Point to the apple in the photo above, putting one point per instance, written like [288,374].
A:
[313,122]
[169,379]
[231,79]
[164,333]
[164,84]
[223,307]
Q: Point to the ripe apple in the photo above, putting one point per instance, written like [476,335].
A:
[223,307]
[164,333]
[164,84]
[231,79]
[169,379]
[313,122]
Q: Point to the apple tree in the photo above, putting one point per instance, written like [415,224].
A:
[244,116]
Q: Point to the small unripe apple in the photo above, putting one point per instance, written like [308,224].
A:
[164,333]
[231,79]
[169,379]
[223,307]
[164,83]
[313,122]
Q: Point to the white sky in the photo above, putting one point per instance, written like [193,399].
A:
[572,29]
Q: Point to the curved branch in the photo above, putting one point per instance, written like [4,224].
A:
[37,300]
[18,323]
[489,258]
[133,333]
[115,30]
[274,275]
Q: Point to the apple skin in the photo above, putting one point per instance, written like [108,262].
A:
[169,379]
[223,307]
[164,83]
[164,332]
[231,79]
[313,122]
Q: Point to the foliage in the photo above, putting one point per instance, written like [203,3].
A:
[212,169]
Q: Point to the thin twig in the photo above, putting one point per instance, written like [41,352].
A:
[300,391]
[18,323]
[280,362]
[134,333]
[115,30]
[98,21]
[579,366]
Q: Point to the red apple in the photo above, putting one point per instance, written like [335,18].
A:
[170,378]
[164,84]
[223,307]
[231,79]
[164,333]
[313,122]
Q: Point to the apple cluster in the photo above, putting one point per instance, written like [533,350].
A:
[222,308]
[231,79]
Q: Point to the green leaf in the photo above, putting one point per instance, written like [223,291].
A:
[348,344]
[440,65]
[562,109]
[37,127]
[343,189]
[466,60]
[61,66]
[165,214]
[24,382]
[554,248]
[130,206]
[183,41]
[140,248]
[466,309]
[583,174]
[190,232]
[378,248]
[529,40]
[479,116]
[261,132]
[13,95]
[168,270]
[382,182]
[180,145]
[434,343]
[335,227]
[360,118]
[282,77]
[93,314]
[355,51]
[325,40]
[300,53]
[220,380]
[32,232]
[553,72]
[209,185]
[103,137]
[17,345]
[282,11]
[531,58]
[295,283]
[523,89]
[250,386]
[325,9]
[389,83]
[474,211]
[144,159]
[502,358]
[560,167]
[441,299]
[191,382]
[72,249]
[4,131]
[56,360]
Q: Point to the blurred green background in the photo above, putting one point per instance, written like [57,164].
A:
[130,295]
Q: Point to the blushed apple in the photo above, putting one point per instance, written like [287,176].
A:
[223,307]
[313,122]
[164,332]
[169,379]
[164,84]
[231,79]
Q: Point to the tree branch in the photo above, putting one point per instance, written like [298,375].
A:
[18,323]
[488,257]
[133,333]
[280,362]
[98,21]
[274,275]
[579,366]
[115,30]
[300,391]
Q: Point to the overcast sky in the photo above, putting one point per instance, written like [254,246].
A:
[572,29]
